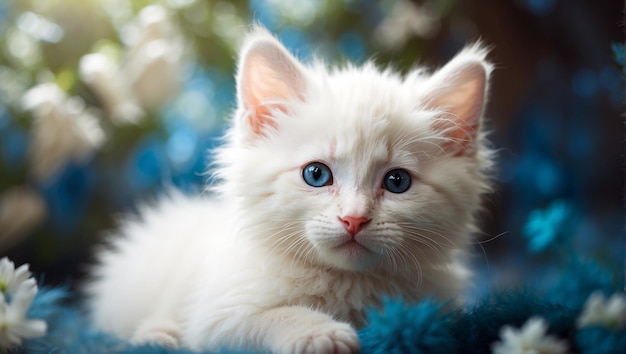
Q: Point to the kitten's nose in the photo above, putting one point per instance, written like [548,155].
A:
[354,224]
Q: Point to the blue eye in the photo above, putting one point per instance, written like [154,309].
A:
[317,174]
[397,181]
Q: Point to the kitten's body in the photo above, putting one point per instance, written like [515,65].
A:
[271,261]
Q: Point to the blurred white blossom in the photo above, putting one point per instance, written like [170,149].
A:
[111,87]
[21,209]
[63,130]
[304,13]
[39,27]
[605,312]
[119,11]
[17,291]
[150,73]
[406,20]
[24,49]
[228,25]
[155,73]
[152,23]
[530,339]
[153,58]
[181,3]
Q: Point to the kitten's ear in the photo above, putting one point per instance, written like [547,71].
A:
[458,91]
[268,78]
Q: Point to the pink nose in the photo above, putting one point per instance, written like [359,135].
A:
[354,224]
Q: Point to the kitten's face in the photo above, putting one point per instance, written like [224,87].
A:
[361,184]
[354,169]
[356,179]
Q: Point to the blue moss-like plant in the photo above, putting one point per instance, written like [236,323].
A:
[601,340]
[425,328]
[580,277]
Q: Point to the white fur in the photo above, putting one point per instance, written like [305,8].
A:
[259,264]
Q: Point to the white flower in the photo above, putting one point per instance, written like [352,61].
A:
[21,209]
[39,27]
[112,88]
[405,20]
[150,73]
[62,129]
[154,72]
[11,278]
[600,311]
[13,325]
[153,58]
[152,23]
[530,339]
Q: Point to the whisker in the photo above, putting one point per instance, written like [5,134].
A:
[494,237]
[409,258]
[484,254]
[480,244]
[420,231]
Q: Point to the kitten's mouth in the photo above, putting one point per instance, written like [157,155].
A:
[349,253]
[352,245]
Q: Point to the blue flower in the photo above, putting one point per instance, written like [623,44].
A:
[545,228]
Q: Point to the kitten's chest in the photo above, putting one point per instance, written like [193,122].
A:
[347,296]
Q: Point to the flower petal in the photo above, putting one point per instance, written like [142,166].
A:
[21,300]
[21,274]
[6,273]
[29,328]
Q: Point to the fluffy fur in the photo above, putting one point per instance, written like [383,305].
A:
[265,262]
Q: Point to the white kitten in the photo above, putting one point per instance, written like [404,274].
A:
[336,188]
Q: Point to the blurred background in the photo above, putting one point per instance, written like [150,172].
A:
[106,103]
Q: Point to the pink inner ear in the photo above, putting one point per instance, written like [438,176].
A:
[261,82]
[267,85]
[462,98]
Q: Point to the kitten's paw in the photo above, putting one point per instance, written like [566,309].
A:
[165,333]
[338,338]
